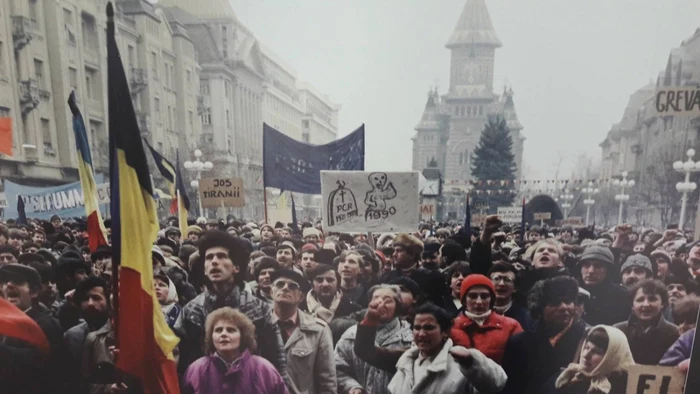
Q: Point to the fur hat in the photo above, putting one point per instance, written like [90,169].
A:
[194,229]
[413,245]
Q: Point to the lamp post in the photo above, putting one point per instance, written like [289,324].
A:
[686,187]
[198,167]
[622,197]
[566,197]
[589,201]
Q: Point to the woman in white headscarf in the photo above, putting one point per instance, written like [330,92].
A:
[167,297]
[602,367]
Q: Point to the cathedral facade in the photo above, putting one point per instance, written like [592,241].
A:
[449,130]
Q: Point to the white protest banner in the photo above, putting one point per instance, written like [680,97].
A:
[651,379]
[510,214]
[221,192]
[678,101]
[358,201]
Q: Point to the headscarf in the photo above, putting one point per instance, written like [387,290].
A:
[617,358]
[171,300]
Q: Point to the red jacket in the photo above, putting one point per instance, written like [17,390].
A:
[490,338]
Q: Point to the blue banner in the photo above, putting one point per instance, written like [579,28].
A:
[43,202]
[296,166]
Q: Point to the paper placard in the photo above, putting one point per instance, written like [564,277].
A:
[677,101]
[510,214]
[650,379]
[542,215]
[427,211]
[218,192]
[360,201]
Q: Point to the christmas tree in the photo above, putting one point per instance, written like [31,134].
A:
[493,166]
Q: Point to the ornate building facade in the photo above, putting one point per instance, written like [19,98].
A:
[451,124]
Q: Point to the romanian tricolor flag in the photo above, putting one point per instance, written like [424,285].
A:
[16,324]
[95,226]
[145,341]
[183,202]
[167,170]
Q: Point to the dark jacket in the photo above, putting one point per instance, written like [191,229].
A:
[522,316]
[648,345]
[618,385]
[530,360]
[432,283]
[190,326]
[610,303]
[527,278]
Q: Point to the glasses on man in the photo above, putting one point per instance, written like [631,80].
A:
[291,285]
[504,279]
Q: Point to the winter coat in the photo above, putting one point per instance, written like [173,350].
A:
[338,322]
[490,338]
[75,340]
[310,362]
[522,316]
[527,279]
[190,326]
[530,360]
[97,352]
[649,345]
[679,351]
[609,304]
[248,375]
[353,372]
[445,375]
[618,385]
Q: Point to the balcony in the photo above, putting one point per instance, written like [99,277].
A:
[138,80]
[22,29]
[28,95]
[143,120]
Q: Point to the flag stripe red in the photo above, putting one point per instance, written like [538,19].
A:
[16,324]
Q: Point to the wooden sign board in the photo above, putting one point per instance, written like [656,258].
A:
[651,379]
[542,215]
[678,101]
[218,192]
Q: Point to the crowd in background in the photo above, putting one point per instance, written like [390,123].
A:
[267,308]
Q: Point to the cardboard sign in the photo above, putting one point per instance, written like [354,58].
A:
[218,192]
[427,211]
[678,101]
[542,215]
[510,214]
[359,201]
[478,218]
[573,220]
[651,379]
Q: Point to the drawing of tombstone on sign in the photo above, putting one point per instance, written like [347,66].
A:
[341,205]
[376,198]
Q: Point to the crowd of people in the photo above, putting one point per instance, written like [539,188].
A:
[267,308]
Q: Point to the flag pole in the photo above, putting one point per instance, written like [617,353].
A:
[265,200]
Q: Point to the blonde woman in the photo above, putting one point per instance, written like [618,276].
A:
[230,366]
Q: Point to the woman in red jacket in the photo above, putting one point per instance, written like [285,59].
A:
[478,326]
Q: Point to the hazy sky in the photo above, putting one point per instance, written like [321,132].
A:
[572,63]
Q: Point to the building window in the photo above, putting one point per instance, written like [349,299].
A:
[131,56]
[39,73]
[90,81]
[4,112]
[73,80]
[154,65]
[46,133]
[34,13]
[206,116]
[228,119]
[204,87]
[190,121]
[156,103]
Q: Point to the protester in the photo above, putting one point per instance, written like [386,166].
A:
[649,334]
[166,293]
[455,274]
[609,302]
[505,280]
[350,269]
[602,367]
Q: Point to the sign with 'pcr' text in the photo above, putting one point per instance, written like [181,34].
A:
[358,201]
[218,192]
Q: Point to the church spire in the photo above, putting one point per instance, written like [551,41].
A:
[474,27]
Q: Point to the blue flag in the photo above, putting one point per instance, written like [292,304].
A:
[296,166]
[21,215]
[467,228]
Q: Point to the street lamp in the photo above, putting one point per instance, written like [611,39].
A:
[566,197]
[589,201]
[622,197]
[686,187]
[198,167]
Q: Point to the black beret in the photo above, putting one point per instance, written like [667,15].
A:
[101,253]
[20,272]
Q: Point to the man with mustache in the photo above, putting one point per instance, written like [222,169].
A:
[609,302]
[92,297]
[225,262]
[636,268]
[21,363]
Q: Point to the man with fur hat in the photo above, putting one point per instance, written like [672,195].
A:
[311,235]
[308,343]
[193,233]
[636,268]
[609,302]
[407,254]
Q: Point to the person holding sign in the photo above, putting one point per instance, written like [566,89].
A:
[601,369]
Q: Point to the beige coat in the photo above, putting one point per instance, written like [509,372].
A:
[309,352]
[445,375]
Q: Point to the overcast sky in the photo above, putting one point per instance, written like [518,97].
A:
[572,63]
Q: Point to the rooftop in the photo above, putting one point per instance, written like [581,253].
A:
[474,27]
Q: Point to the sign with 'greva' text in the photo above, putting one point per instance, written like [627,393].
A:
[678,100]
[358,201]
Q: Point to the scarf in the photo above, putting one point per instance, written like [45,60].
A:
[478,319]
[213,302]
[171,301]
[501,310]
[317,309]
[617,358]
[386,331]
